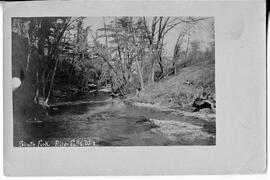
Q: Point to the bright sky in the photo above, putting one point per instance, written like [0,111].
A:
[202,32]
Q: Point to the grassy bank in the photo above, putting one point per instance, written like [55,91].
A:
[176,93]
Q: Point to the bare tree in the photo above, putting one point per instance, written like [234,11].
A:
[156,33]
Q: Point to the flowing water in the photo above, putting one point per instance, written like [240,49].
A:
[98,120]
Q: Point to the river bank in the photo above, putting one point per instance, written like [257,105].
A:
[176,93]
[207,115]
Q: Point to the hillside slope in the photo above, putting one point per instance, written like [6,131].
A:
[179,91]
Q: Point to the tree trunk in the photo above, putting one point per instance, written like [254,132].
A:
[177,50]
[159,50]
[152,73]
[160,63]
[140,73]
[28,60]
[186,54]
[105,31]
[44,83]
[151,78]
[36,98]
[51,84]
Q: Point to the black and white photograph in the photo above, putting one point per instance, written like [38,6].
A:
[134,88]
[113,81]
